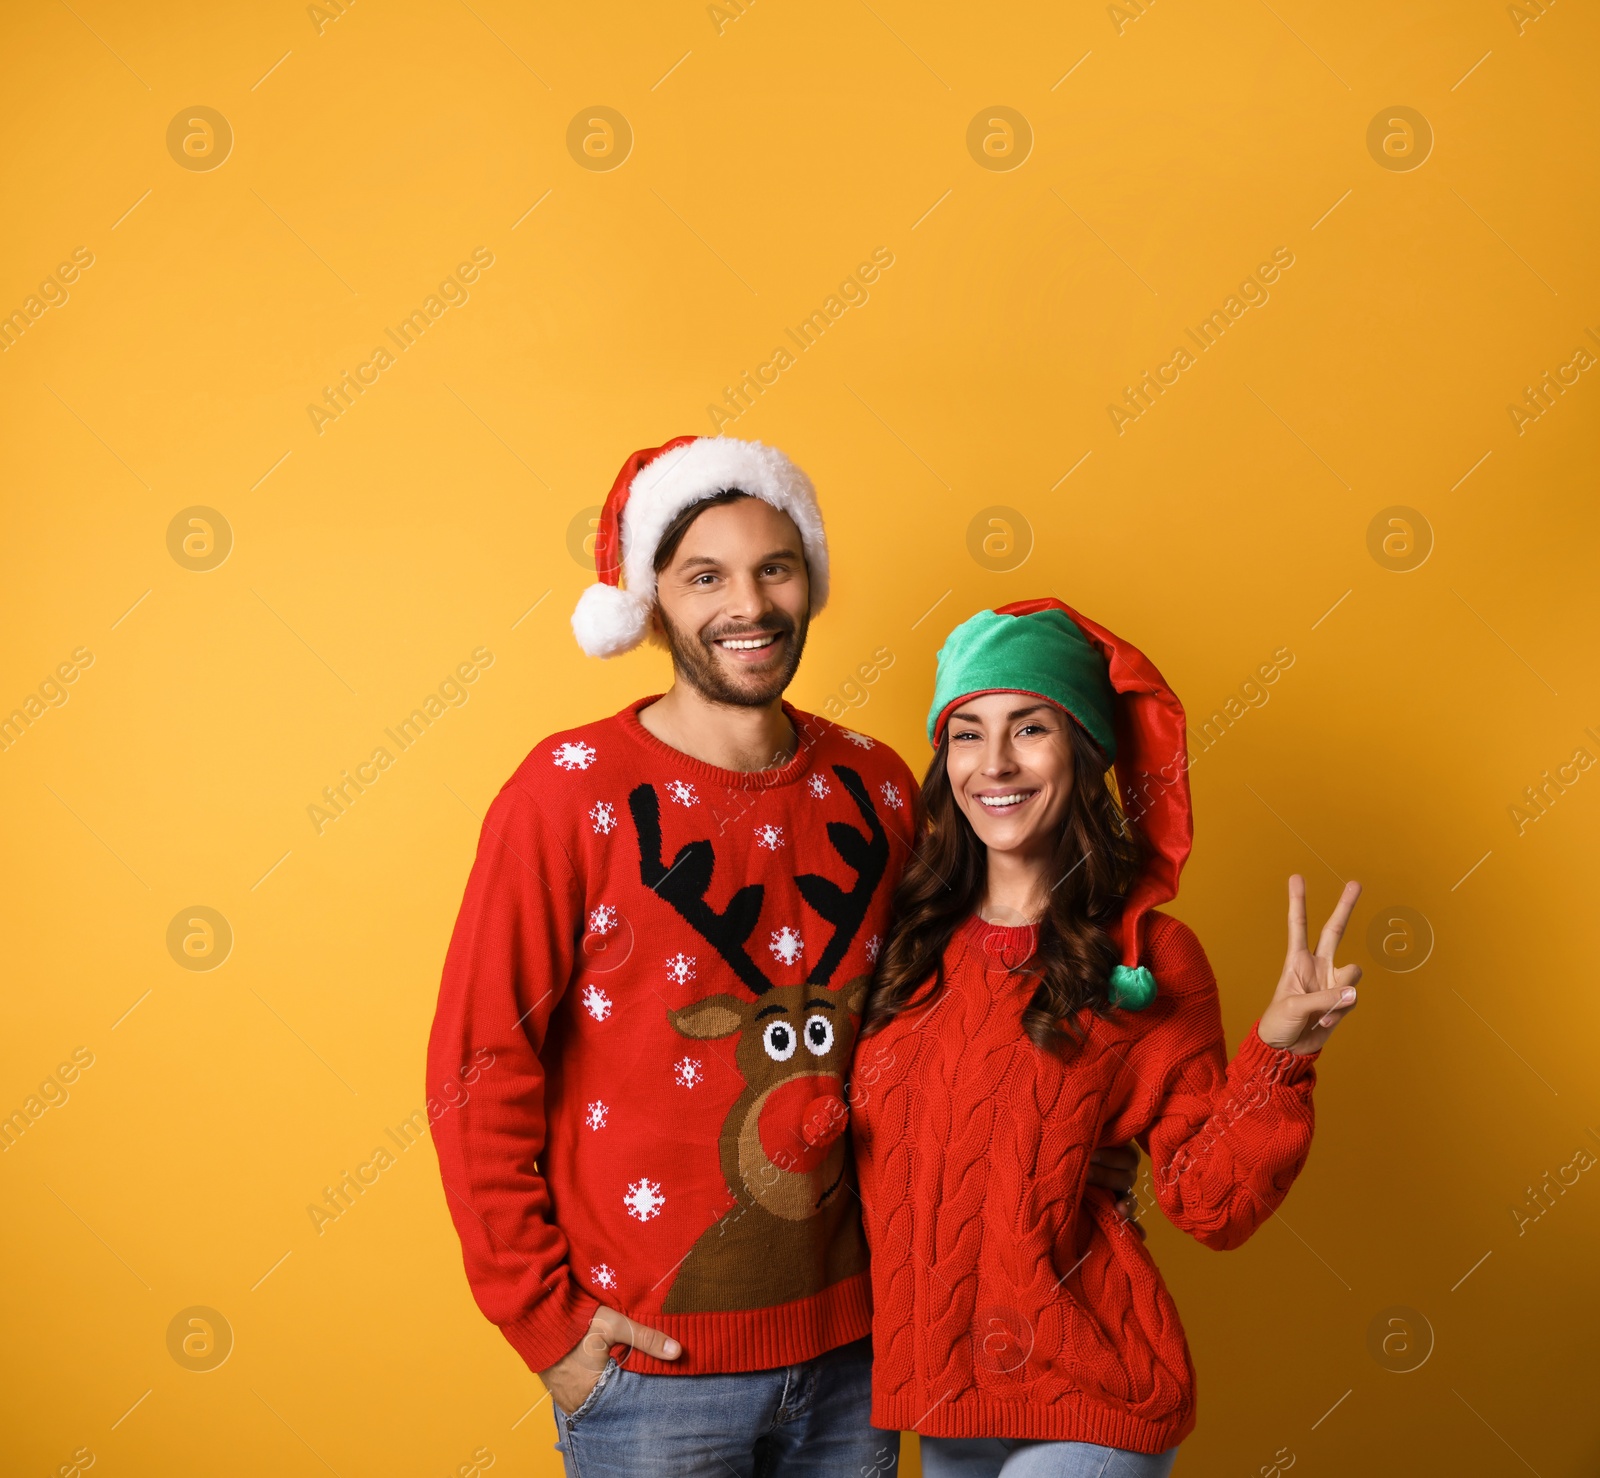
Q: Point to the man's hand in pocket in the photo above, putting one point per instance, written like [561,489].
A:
[572,1377]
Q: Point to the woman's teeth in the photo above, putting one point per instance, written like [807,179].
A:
[1004,802]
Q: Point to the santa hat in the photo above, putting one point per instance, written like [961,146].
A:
[1046,649]
[653,488]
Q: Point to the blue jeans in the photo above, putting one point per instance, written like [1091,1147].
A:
[811,1420]
[987,1457]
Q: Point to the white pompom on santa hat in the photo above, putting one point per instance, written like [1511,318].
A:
[653,488]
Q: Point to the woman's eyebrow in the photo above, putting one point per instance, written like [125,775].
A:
[1016,713]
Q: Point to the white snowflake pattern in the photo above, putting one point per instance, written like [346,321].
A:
[596,1114]
[603,919]
[596,1002]
[680,969]
[873,946]
[573,755]
[644,1199]
[819,787]
[603,818]
[786,944]
[688,1071]
[769,837]
[682,792]
[890,793]
[859,740]
[604,1276]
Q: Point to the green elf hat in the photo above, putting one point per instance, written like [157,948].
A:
[1048,650]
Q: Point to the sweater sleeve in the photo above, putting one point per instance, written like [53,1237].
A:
[1226,1139]
[510,959]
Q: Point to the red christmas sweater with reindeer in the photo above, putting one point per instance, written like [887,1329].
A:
[1010,1299]
[643,1032]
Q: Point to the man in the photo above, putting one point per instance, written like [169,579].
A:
[650,1001]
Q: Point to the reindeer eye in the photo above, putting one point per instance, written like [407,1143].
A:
[819,1034]
[779,1041]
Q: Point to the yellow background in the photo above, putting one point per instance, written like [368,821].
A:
[1172,151]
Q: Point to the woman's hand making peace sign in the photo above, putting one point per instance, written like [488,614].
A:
[1313,994]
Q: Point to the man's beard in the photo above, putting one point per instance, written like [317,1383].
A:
[694,659]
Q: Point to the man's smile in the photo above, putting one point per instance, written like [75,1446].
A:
[750,648]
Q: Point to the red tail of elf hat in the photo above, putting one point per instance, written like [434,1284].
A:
[1152,770]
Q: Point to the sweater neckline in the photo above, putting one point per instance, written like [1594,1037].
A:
[977,924]
[1010,945]
[787,774]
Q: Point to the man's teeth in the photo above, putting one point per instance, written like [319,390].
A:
[997,802]
[747,644]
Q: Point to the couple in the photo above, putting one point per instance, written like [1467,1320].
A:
[751,1009]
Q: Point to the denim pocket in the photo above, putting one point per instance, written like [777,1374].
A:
[607,1375]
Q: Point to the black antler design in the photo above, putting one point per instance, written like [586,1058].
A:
[867,855]
[684,886]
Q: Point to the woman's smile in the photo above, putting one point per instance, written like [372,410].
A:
[1003,802]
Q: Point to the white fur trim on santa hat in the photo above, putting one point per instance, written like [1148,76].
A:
[607,620]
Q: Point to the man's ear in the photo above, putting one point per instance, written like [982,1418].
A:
[655,632]
[716,1016]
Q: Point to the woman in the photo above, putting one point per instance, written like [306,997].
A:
[1030,1006]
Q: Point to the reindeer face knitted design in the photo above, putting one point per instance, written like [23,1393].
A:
[782,1147]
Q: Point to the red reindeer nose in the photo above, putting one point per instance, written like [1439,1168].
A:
[800,1121]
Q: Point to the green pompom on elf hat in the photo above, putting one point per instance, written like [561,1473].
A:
[1046,649]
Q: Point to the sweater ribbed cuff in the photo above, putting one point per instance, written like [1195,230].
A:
[1277,1063]
[554,1326]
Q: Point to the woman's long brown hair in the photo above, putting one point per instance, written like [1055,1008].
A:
[1096,861]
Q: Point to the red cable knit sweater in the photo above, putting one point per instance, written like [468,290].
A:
[1008,1299]
[648,1007]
